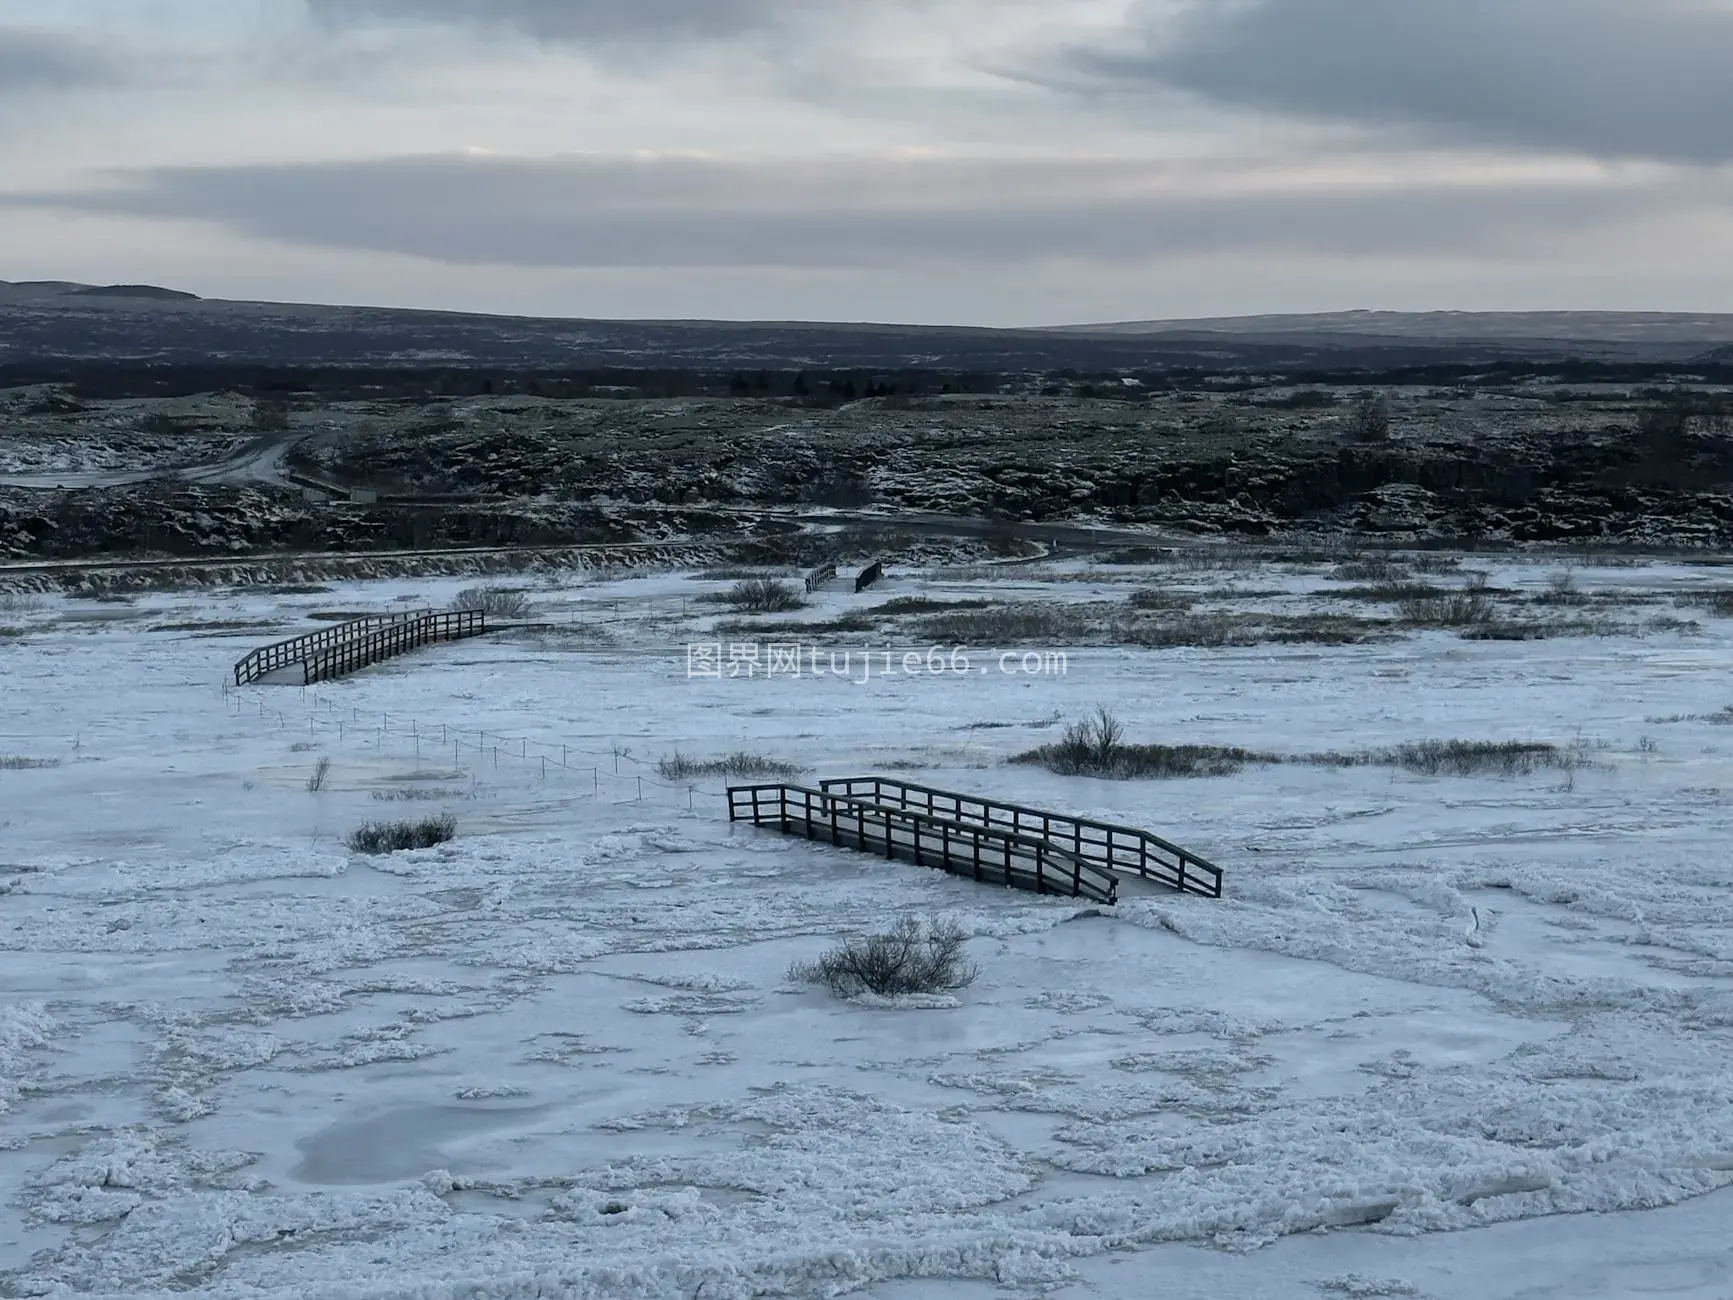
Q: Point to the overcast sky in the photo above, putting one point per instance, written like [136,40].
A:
[996,162]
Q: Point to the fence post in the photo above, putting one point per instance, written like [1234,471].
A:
[640,789]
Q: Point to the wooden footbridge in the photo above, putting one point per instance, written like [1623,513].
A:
[344,647]
[999,843]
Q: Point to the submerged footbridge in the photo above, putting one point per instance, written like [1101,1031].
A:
[968,835]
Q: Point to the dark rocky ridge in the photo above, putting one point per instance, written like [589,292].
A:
[1493,465]
[45,323]
[486,431]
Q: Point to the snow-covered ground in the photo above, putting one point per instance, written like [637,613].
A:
[561,1056]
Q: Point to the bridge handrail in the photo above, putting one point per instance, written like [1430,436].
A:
[269,658]
[1189,873]
[1054,864]
[391,639]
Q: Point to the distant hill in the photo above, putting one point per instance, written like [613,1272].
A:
[1643,328]
[64,288]
[44,324]
[135,291]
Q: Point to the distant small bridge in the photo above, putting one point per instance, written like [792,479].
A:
[819,577]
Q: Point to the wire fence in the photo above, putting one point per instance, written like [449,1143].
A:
[583,772]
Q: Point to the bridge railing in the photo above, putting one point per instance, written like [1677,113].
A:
[980,852]
[1115,848]
[297,649]
[392,639]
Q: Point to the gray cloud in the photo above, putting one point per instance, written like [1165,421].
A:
[689,212]
[32,61]
[568,20]
[1605,78]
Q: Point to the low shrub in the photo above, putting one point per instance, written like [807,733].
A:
[1561,589]
[1001,625]
[1156,598]
[1455,609]
[495,602]
[392,837]
[762,596]
[1096,747]
[677,767]
[909,958]
[1460,757]
[1717,601]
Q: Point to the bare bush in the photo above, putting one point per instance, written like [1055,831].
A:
[1155,598]
[495,602]
[908,958]
[1460,757]
[1434,563]
[392,837]
[1369,421]
[1561,589]
[677,767]
[316,780]
[1717,601]
[17,763]
[1003,624]
[1454,609]
[1095,746]
[1504,629]
[763,596]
